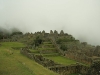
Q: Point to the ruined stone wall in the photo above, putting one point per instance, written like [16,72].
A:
[65,70]
[59,68]
[47,51]
[38,58]
[97,51]
[94,68]
[79,57]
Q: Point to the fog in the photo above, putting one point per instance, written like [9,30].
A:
[80,18]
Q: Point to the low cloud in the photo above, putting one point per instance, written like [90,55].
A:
[80,18]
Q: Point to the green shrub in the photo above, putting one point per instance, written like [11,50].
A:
[37,41]
[64,40]
[63,47]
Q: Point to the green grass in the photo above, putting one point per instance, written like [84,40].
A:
[74,74]
[18,64]
[47,48]
[62,60]
[34,51]
[12,44]
[49,44]
[50,54]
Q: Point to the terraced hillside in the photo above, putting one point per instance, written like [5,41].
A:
[14,63]
[61,53]
[49,57]
[48,50]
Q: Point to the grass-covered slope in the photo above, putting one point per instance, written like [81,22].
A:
[62,60]
[14,63]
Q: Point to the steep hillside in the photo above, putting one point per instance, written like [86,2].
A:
[14,63]
[59,52]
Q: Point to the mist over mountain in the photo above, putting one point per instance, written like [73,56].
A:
[8,30]
[80,18]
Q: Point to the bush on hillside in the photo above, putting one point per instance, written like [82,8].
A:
[63,47]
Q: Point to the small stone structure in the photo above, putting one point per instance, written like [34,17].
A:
[51,32]
[61,32]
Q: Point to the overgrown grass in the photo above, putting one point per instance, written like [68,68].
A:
[14,63]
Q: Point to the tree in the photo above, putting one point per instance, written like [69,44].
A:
[37,41]
[16,33]
[63,47]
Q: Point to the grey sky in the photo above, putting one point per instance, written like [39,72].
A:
[81,18]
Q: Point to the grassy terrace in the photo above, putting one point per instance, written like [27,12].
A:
[62,60]
[46,48]
[14,63]
[53,55]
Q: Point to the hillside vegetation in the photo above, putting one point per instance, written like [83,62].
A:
[14,63]
[42,53]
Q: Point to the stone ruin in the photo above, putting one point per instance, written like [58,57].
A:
[97,51]
[81,52]
[55,32]
[80,57]
[51,32]
[59,68]
[43,32]
[62,32]
[94,68]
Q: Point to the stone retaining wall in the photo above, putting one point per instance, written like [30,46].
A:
[79,57]
[59,68]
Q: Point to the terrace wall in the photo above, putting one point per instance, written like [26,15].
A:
[59,68]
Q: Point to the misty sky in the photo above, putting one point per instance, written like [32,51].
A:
[80,18]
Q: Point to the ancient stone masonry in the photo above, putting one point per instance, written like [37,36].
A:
[97,51]
[59,68]
[80,57]
[55,32]
[47,51]
[61,44]
[43,33]
[38,58]
[51,32]
[94,68]
[61,32]
[65,70]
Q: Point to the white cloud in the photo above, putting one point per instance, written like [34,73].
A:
[81,18]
